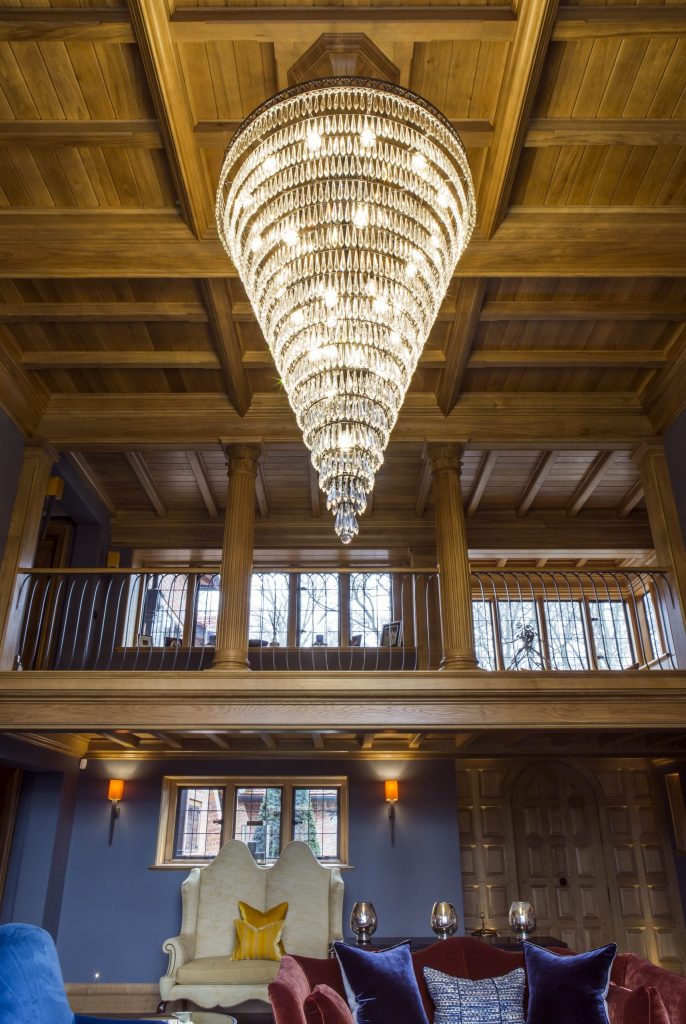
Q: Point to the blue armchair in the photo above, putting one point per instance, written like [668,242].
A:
[31,985]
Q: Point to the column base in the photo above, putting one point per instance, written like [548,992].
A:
[464,660]
[230,661]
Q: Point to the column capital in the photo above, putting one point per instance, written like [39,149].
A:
[243,458]
[443,456]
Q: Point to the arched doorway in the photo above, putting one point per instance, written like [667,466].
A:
[560,863]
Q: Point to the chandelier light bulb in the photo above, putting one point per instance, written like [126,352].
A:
[345,205]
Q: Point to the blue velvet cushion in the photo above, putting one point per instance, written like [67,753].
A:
[31,986]
[488,1001]
[381,987]
[568,989]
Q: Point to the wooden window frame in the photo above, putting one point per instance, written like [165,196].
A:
[169,802]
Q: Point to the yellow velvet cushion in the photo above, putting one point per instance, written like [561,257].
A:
[259,918]
[257,943]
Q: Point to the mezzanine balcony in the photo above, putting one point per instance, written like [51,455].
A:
[350,621]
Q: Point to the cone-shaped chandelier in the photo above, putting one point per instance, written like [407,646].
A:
[345,204]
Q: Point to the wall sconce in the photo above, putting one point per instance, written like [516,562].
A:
[391,788]
[115,791]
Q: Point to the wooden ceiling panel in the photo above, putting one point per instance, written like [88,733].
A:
[174,480]
[285,469]
[73,80]
[645,176]
[555,381]
[120,482]
[462,78]
[509,474]
[617,77]
[225,80]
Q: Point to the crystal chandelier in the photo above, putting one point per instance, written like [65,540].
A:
[345,204]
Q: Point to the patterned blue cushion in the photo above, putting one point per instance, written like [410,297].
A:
[489,1001]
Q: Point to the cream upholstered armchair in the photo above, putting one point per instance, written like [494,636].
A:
[201,968]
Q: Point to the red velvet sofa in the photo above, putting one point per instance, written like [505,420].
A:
[473,958]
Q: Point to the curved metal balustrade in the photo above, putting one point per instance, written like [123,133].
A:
[323,620]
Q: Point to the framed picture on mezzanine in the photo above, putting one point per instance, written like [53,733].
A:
[390,634]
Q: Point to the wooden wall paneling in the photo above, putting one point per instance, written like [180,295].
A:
[561,868]
[489,869]
[640,861]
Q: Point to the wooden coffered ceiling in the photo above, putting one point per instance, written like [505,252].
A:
[127,340]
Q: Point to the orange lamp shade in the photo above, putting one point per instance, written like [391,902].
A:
[115,789]
[391,786]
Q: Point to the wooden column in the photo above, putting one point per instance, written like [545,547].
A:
[453,561]
[237,558]
[666,530]
[22,540]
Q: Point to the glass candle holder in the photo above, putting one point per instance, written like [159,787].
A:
[363,921]
[444,919]
[522,919]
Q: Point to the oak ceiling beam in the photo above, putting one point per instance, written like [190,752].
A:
[535,21]
[168,740]
[483,475]
[630,499]
[569,419]
[618,22]
[138,134]
[567,358]
[605,131]
[218,740]
[120,739]
[530,242]
[92,479]
[102,25]
[489,536]
[150,20]
[595,473]
[386,27]
[497,311]
[535,482]
[140,468]
[121,360]
[268,740]
[202,480]
[411,701]
[317,741]
[470,296]
[218,305]
[103,312]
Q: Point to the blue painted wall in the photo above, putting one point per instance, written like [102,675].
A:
[11,454]
[675,448]
[116,911]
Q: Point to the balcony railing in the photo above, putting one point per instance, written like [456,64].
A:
[573,621]
[324,620]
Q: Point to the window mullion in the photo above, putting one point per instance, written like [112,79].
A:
[344,609]
[287,814]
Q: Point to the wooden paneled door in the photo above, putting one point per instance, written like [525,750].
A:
[560,862]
